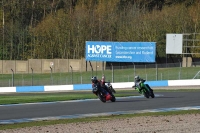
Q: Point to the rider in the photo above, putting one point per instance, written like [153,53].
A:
[95,84]
[137,86]
[137,83]
[103,82]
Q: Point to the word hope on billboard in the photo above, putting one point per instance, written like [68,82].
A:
[120,51]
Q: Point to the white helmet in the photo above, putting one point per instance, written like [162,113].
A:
[137,77]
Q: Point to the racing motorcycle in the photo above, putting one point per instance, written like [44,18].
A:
[110,88]
[145,89]
[104,95]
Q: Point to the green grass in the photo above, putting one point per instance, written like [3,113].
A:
[124,74]
[92,119]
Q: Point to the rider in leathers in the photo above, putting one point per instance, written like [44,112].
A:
[137,84]
[97,84]
[103,82]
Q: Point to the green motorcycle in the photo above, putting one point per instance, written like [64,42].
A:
[145,89]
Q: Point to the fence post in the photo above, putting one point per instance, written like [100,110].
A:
[51,76]
[133,70]
[71,74]
[112,73]
[156,72]
[146,77]
[180,71]
[32,76]
[12,77]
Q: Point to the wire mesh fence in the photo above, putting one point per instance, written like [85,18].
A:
[126,73]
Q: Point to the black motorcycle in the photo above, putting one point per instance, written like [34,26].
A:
[110,87]
[104,95]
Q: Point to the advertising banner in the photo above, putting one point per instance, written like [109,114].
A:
[120,51]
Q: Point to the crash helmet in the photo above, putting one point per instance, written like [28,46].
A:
[137,78]
[94,79]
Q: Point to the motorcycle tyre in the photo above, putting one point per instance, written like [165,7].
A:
[113,99]
[101,97]
[146,95]
[152,94]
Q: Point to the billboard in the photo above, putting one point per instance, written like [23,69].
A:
[174,43]
[120,51]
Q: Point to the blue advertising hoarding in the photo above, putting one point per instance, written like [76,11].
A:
[120,51]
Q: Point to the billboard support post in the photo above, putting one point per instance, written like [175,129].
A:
[112,73]
[91,68]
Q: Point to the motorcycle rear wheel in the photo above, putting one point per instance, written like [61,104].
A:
[113,99]
[152,95]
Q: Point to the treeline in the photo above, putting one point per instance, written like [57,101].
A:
[59,28]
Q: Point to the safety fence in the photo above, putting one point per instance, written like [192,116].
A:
[113,73]
[123,85]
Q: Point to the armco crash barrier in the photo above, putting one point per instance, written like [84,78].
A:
[162,83]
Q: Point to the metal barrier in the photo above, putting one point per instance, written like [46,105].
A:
[122,85]
[114,73]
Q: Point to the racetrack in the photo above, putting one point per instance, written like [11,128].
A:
[71,109]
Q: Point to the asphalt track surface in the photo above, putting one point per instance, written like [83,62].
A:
[162,100]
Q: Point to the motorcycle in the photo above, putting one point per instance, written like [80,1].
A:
[110,88]
[104,95]
[145,89]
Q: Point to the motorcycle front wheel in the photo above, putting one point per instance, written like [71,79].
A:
[102,97]
[146,94]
